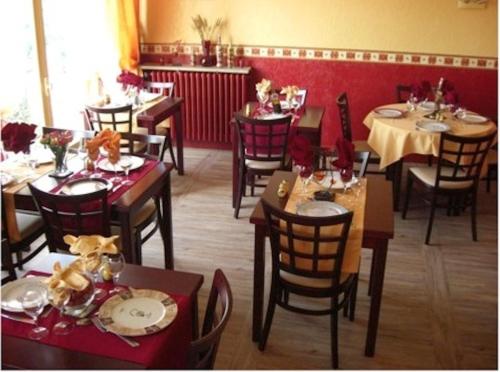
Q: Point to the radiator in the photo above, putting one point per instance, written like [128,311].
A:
[210,100]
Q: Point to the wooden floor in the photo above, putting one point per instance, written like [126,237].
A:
[439,308]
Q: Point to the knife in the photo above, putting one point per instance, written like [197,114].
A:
[18,318]
[116,187]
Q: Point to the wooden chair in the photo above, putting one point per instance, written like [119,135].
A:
[457,180]
[203,351]
[263,148]
[345,121]
[323,278]
[30,229]
[85,214]
[163,128]
[403,93]
[492,173]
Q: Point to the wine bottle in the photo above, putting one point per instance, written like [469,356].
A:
[275,101]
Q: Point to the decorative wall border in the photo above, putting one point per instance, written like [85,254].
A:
[424,59]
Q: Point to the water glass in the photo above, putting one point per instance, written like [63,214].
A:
[62,327]
[412,102]
[126,163]
[116,264]
[33,301]
[82,155]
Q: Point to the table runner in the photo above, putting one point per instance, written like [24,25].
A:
[165,349]
[357,204]
[392,139]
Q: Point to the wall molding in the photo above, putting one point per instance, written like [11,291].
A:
[324,54]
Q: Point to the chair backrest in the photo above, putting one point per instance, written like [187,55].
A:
[203,351]
[326,156]
[163,87]
[301,96]
[296,241]
[85,214]
[403,93]
[461,158]
[345,116]
[148,144]
[118,119]
[263,140]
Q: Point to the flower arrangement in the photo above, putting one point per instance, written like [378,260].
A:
[425,91]
[57,142]
[127,78]
[206,31]
[17,137]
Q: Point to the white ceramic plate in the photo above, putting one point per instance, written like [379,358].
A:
[387,112]
[320,208]
[474,119]
[272,116]
[86,186]
[15,289]
[105,165]
[432,126]
[148,97]
[6,179]
[337,182]
[285,105]
[138,312]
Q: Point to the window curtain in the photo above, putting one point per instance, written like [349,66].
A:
[124,15]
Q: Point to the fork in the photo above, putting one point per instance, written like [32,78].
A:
[101,328]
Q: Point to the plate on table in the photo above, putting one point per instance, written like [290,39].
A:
[338,183]
[12,291]
[474,118]
[105,165]
[148,97]
[272,116]
[6,179]
[429,106]
[320,208]
[432,126]
[286,106]
[388,112]
[86,186]
[138,312]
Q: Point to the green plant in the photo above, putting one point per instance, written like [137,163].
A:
[206,31]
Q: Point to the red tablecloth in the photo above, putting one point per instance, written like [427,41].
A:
[165,349]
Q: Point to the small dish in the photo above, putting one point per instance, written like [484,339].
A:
[138,312]
[432,126]
[388,112]
[85,186]
[320,208]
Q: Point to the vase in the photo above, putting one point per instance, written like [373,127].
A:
[80,300]
[207,59]
[61,170]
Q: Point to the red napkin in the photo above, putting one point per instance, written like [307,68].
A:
[18,136]
[345,153]
[300,150]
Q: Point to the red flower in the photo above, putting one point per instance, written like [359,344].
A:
[345,153]
[18,136]
[300,151]
[129,78]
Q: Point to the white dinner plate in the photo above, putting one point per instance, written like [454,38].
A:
[105,165]
[12,291]
[148,97]
[429,106]
[6,179]
[474,118]
[138,312]
[387,112]
[272,116]
[320,208]
[83,186]
[337,182]
[432,126]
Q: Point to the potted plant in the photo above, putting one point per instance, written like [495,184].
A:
[206,32]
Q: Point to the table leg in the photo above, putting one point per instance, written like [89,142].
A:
[179,141]
[395,173]
[258,281]
[235,162]
[127,240]
[165,224]
[194,316]
[377,284]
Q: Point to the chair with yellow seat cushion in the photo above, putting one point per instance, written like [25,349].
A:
[165,88]
[456,176]
[307,256]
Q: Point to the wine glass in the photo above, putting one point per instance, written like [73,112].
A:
[33,301]
[126,163]
[82,155]
[116,264]
[113,158]
[262,97]
[411,104]
[346,177]
[59,301]
[305,173]
[99,293]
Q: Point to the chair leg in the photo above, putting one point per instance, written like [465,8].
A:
[241,187]
[429,160]
[474,217]
[409,184]
[19,258]
[345,310]
[370,283]
[171,150]
[352,302]
[269,316]
[334,320]
[252,186]
[431,220]
[138,247]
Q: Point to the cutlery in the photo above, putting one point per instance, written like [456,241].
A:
[18,318]
[47,312]
[116,187]
[87,311]
[101,328]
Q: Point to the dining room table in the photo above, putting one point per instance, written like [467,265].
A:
[307,121]
[150,180]
[396,132]
[377,230]
[86,347]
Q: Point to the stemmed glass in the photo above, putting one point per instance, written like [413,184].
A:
[99,293]
[126,163]
[62,327]
[346,177]
[33,301]
[412,103]
[305,173]
[116,264]
[262,98]
[82,154]
[113,160]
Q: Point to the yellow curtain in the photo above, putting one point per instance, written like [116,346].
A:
[124,14]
